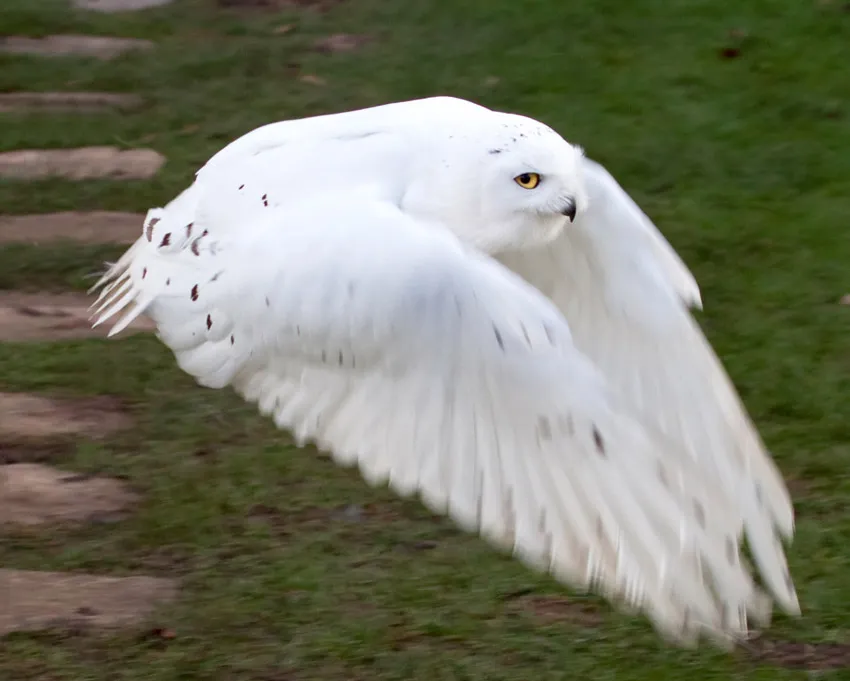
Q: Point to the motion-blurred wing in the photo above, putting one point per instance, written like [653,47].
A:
[440,372]
[625,293]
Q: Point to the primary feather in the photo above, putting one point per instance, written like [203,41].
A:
[337,271]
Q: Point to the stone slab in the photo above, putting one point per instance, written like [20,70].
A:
[96,227]
[112,6]
[36,494]
[66,102]
[98,47]
[86,163]
[36,601]
[25,416]
[47,317]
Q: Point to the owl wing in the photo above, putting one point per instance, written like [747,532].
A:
[625,293]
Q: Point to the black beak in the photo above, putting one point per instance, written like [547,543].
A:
[569,210]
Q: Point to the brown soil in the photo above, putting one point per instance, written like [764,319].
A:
[554,609]
[26,417]
[35,494]
[47,316]
[37,601]
[99,47]
[83,102]
[97,227]
[81,164]
[800,655]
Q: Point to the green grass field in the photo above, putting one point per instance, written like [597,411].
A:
[729,122]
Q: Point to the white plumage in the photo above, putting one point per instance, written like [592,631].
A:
[406,287]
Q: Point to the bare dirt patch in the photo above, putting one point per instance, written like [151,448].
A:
[25,417]
[800,655]
[82,102]
[35,494]
[86,163]
[97,227]
[37,601]
[46,317]
[99,47]
[555,609]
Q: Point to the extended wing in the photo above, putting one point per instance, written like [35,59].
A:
[440,372]
[625,294]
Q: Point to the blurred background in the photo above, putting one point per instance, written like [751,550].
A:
[150,529]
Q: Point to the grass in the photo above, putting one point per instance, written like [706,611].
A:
[742,160]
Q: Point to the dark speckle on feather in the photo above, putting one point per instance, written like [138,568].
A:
[166,240]
[194,293]
[194,247]
[209,322]
[144,272]
[232,339]
[241,187]
[149,228]
[189,229]
[265,200]
[599,442]
[699,512]
[499,338]
[731,552]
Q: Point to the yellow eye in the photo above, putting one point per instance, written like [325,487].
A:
[527,180]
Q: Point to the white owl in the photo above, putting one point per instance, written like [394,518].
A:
[460,303]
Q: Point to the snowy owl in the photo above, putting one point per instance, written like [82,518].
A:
[462,304]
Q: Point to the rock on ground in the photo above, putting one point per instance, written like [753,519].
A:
[99,47]
[53,316]
[35,494]
[96,227]
[36,601]
[87,163]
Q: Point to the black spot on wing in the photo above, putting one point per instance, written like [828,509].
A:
[499,338]
[149,228]
[599,442]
